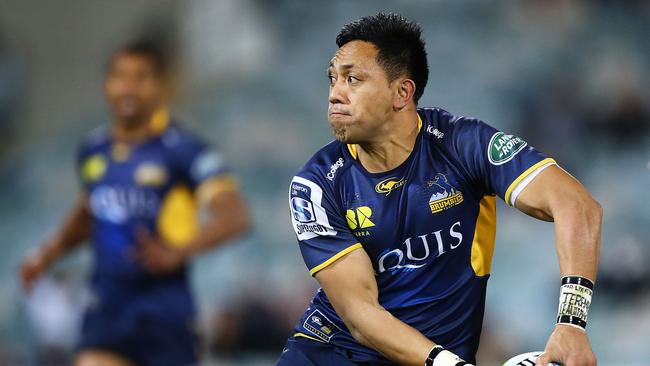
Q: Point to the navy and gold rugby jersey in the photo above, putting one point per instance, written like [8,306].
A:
[153,184]
[428,226]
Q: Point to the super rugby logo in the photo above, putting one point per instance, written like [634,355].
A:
[414,252]
[502,148]
[334,168]
[303,210]
[390,184]
[309,217]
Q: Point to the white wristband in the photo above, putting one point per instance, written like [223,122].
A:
[446,358]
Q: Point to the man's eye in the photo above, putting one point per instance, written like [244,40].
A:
[331,79]
[352,79]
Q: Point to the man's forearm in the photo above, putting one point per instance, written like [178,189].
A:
[229,218]
[74,231]
[378,329]
[577,231]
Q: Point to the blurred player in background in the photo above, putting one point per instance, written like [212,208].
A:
[397,218]
[144,180]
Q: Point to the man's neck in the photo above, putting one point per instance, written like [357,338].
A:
[394,147]
[131,132]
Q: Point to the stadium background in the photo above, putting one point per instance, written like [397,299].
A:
[569,76]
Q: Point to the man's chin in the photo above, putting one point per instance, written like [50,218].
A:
[131,119]
[341,134]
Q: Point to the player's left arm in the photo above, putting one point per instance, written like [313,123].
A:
[228,217]
[556,196]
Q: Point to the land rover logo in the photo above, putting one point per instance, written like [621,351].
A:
[502,148]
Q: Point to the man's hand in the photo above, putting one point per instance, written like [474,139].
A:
[156,256]
[31,270]
[568,346]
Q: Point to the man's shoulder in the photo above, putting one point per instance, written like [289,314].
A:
[178,136]
[97,138]
[447,129]
[325,166]
[439,124]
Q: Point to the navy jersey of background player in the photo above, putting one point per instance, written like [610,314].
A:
[428,227]
[148,185]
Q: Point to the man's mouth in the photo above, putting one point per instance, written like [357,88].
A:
[338,114]
[127,105]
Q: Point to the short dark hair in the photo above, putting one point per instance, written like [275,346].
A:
[148,49]
[401,48]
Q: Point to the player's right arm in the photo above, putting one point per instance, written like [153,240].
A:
[351,287]
[74,230]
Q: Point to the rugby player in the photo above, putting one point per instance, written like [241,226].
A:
[396,219]
[143,179]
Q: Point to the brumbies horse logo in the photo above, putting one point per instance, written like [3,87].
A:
[444,194]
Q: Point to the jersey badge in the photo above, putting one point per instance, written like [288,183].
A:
[320,326]
[444,194]
[150,174]
[359,220]
[93,168]
[389,184]
[502,148]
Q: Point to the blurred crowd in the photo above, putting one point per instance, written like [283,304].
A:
[571,77]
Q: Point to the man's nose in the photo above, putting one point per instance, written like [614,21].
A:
[337,93]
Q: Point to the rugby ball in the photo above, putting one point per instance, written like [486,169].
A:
[526,359]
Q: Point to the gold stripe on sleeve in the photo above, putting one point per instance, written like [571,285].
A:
[334,258]
[523,175]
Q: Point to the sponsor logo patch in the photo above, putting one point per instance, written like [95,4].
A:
[435,132]
[93,168]
[359,219]
[388,185]
[119,204]
[334,168]
[502,148]
[320,326]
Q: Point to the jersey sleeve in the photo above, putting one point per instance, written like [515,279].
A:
[501,163]
[322,233]
[80,162]
[199,162]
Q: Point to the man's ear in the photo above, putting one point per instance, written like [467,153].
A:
[404,93]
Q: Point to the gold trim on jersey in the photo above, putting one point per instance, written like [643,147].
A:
[299,334]
[484,236]
[334,258]
[178,217]
[523,176]
[208,188]
[353,150]
[159,121]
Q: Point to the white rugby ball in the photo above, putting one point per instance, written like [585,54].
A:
[526,359]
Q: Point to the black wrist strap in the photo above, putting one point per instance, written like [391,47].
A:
[435,351]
